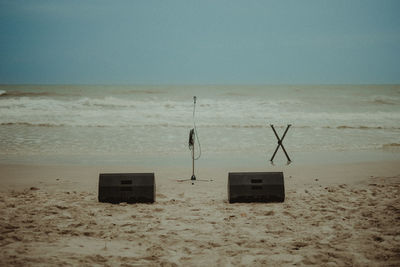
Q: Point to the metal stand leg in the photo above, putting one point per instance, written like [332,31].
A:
[193,176]
[280,143]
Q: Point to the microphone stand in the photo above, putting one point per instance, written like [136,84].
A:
[192,137]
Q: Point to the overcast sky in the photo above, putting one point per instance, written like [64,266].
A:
[199,42]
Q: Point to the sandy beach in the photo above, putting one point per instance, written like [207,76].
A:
[333,215]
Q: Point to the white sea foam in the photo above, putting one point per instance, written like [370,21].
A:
[111,111]
[2,92]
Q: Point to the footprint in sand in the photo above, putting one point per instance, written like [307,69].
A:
[158,209]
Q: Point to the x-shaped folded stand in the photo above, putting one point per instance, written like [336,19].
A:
[280,143]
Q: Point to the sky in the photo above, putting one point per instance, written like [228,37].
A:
[199,42]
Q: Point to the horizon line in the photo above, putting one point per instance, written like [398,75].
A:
[195,84]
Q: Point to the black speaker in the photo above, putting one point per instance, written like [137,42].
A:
[256,187]
[127,187]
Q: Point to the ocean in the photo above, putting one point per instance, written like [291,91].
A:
[147,125]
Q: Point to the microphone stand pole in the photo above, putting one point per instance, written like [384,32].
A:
[193,178]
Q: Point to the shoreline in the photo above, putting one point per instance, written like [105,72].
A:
[85,177]
[251,159]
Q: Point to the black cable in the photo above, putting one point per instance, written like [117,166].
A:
[195,129]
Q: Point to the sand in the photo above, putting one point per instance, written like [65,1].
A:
[333,215]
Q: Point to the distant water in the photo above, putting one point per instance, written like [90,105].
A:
[131,124]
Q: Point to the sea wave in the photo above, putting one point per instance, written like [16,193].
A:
[134,124]
[134,92]
[27,94]
[114,111]
[98,125]
[31,124]
[391,146]
[361,127]
[384,100]
[109,101]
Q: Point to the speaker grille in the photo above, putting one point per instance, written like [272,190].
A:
[126,187]
[256,187]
